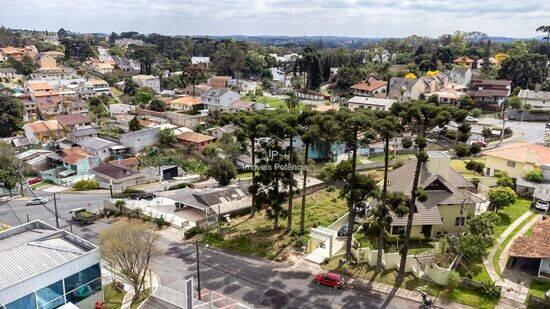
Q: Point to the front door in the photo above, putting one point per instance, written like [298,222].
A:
[427,231]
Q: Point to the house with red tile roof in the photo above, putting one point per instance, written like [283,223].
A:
[534,249]
[194,140]
[515,159]
[370,88]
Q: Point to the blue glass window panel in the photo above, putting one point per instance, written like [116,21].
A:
[46,295]
[25,302]
[84,291]
[82,277]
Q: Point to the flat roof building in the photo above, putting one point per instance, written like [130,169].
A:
[45,267]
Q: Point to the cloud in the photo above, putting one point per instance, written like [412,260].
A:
[366,18]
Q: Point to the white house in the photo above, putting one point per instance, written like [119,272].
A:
[539,100]
[216,98]
[150,81]
[370,103]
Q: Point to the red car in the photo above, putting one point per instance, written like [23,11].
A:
[330,279]
[32,181]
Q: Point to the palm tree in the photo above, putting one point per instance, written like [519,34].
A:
[292,101]
[545,29]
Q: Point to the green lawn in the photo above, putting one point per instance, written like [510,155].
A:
[245,175]
[506,241]
[459,165]
[415,247]
[363,271]
[380,158]
[113,297]
[256,236]
[274,102]
[538,288]
[510,214]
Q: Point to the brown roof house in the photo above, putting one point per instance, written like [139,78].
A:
[219,81]
[117,176]
[194,140]
[42,130]
[74,121]
[488,93]
[370,88]
[534,248]
[449,202]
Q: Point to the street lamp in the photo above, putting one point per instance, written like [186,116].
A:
[199,253]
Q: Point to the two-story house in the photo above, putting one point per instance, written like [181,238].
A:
[449,204]
[515,159]
[370,88]
[74,121]
[406,89]
[219,98]
[488,93]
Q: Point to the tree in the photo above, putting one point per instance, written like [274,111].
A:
[475,148]
[167,137]
[9,167]
[505,181]
[134,124]
[11,117]
[483,224]
[524,69]
[466,102]
[288,130]
[475,166]
[486,133]
[546,30]
[534,175]
[143,96]
[61,33]
[157,105]
[130,248]
[462,150]
[192,75]
[130,87]
[502,197]
[223,171]
[292,100]
[420,117]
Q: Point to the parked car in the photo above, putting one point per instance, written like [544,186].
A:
[32,181]
[471,119]
[330,279]
[360,209]
[344,230]
[37,201]
[542,205]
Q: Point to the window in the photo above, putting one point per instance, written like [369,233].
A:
[50,296]
[459,221]
[84,291]
[89,274]
[398,230]
[511,164]
[24,302]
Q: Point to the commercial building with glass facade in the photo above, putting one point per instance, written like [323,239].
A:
[43,267]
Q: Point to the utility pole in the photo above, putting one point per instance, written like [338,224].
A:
[198,270]
[55,209]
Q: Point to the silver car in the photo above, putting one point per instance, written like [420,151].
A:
[542,205]
[38,201]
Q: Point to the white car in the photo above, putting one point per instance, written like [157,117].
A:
[542,205]
[37,201]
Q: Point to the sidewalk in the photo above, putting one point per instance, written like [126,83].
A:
[510,290]
[304,265]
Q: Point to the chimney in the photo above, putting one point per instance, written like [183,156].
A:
[545,171]
[439,163]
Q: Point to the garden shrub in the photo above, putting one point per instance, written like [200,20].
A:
[84,185]
[490,289]
[475,166]
[534,175]
[192,232]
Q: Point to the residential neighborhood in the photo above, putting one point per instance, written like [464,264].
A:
[175,168]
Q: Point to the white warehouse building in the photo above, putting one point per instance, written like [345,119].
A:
[44,267]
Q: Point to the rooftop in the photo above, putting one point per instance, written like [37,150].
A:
[370,85]
[115,171]
[34,248]
[534,246]
[96,143]
[521,152]
[194,137]
[73,119]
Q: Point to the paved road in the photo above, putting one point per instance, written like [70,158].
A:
[532,132]
[15,212]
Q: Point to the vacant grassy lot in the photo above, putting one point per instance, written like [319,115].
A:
[256,236]
[510,214]
[113,297]
[415,247]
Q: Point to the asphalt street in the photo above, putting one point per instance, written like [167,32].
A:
[531,132]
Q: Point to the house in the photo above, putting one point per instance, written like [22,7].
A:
[116,176]
[307,94]
[219,132]
[129,163]
[98,147]
[451,94]
[461,75]
[488,93]
[534,249]
[539,100]
[449,202]
[69,165]
[370,103]
[219,81]
[464,61]
[101,67]
[195,141]
[47,62]
[120,108]
[492,61]
[74,122]
[150,81]
[94,88]
[136,141]
[9,74]
[35,158]
[200,62]
[45,97]
[241,105]
[406,89]
[219,98]
[79,135]
[515,159]
[370,88]
[539,190]
[186,103]
[279,78]
[127,64]
[46,267]
[42,131]
[18,53]
[198,90]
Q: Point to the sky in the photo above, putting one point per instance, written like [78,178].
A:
[357,18]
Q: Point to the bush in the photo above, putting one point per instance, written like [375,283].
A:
[192,232]
[398,164]
[453,280]
[475,148]
[160,222]
[84,185]
[180,186]
[490,289]
[475,181]
[534,175]
[131,191]
[475,166]
[462,150]
[476,112]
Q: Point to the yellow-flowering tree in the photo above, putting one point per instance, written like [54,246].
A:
[410,75]
[501,57]
[431,73]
